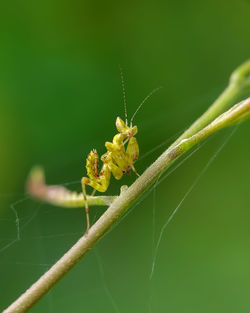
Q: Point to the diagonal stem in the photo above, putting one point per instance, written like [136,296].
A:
[212,122]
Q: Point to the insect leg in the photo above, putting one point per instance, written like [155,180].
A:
[132,153]
[84,182]
[134,170]
[132,150]
[116,170]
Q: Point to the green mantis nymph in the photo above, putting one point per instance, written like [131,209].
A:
[119,159]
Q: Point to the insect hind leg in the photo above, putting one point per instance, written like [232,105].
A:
[134,170]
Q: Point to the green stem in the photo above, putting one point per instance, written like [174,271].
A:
[236,114]
[192,136]
[239,84]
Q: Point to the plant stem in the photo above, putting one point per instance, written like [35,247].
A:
[59,195]
[239,83]
[192,136]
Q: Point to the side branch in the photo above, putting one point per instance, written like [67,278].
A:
[59,195]
[239,85]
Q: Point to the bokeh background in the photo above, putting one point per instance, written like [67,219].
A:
[60,92]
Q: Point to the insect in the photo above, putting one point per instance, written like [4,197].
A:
[119,159]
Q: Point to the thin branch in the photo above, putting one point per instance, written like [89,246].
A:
[191,137]
[59,195]
[239,84]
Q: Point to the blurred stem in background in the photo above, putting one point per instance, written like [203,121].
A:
[210,122]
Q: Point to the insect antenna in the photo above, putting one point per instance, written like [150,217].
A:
[145,99]
[124,95]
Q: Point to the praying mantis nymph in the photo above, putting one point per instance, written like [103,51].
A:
[119,159]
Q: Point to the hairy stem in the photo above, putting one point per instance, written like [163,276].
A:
[196,133]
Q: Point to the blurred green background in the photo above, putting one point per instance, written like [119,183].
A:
[60,92]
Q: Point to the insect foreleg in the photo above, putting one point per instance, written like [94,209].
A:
[132,153]
[132,150]
[116,170]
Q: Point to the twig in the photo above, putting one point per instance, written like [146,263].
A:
[196,133]
[59,195]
